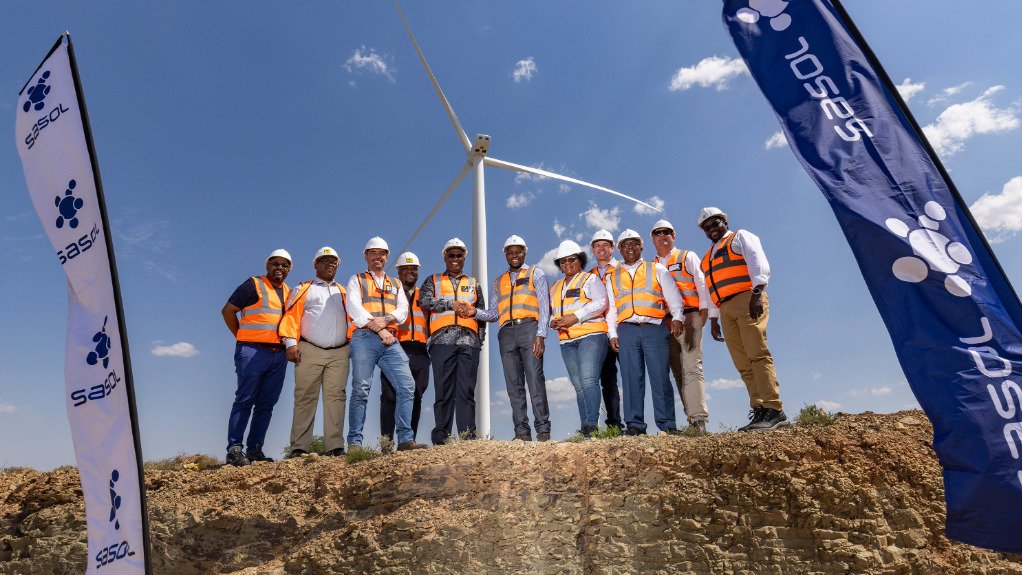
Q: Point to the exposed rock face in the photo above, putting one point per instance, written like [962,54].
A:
[863,495]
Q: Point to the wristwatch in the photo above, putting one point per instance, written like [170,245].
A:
[757,290]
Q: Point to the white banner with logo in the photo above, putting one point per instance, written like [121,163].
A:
[52,142]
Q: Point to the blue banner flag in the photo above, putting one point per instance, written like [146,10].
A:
[953,316]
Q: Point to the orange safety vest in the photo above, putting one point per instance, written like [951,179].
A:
[596,271]
[443,287]
[379,302]
[258,322]
[675,264]
[640,294]
[416,325]
[291,324]
[727,274]
[571,301]
[520,304]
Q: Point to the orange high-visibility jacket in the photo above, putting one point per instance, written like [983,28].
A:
[416,325]
[291,324]
[640,294]
[443,287]
[380,302]
[727,274]
[518,301]
[567,302]
[675,263]
[258,322]
[596,271]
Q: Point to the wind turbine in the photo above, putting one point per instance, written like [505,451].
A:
[477,158]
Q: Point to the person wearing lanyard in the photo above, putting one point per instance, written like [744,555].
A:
[519,300]
[412,334]
[737,273]
[377,306]
[579,308]
[455,341]
[603,249]
[314,332]
[686,351]
[640,294]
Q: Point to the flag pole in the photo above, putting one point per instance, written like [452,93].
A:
[129,382]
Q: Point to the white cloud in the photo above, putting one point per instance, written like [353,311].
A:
[727,384]
[908,88]
[947,92]
[524,69]
[654,201]
[776,140]
[7,407]
[1000,215]
[368,61]
[817,376]
[515,201]
[710,72]
[875,391]
[563,188]
[828,405]
[560,390]
[960,122]
[547,264]
[523,177]
[179,349]
[597,218]
[558,228]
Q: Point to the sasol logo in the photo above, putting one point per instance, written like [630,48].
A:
[96,392]
[115,500]
[932,250]
[68,206]
[37,93]
[78,247]
[772,9]
[108,555]
[102,351]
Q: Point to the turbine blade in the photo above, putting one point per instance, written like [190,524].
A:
[465,143]
[519,168]
[450,189]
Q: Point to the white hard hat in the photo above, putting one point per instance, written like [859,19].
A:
[376,243]
[514,240]
[325,251]
[567,248]
[628,234]
[661,224]
[453,243]
[407,259]
[602,235]
[281,253]
[707,213]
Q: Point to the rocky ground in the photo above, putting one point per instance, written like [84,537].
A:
[862,495]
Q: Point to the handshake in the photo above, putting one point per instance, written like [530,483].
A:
[464,309]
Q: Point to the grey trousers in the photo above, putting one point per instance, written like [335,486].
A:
[326,369]
[521,368]
[687,368]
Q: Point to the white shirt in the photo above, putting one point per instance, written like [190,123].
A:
[671,294]
[594,289]
[323,321]
[359,316]
[692,265]
[602,269]
[747,245]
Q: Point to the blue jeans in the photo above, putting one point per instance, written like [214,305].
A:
[645,348]
[260,378]
[368,351]
[584,360]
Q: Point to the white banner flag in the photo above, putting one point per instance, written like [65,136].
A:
[52,139]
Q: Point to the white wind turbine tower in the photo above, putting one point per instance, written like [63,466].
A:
[477,158]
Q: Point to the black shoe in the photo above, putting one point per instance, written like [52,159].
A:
[236,457]
[523,437]
[335,452]
[255,453]
[410,445]
[296,453]
[543,436]
[755,416]
[771,419]
[587,431]
[633,431]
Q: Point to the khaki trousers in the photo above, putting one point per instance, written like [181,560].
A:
[326,369]
[747,342]
[687,368]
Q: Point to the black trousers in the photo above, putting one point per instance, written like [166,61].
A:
[455,368]
[611,395]
[418,362]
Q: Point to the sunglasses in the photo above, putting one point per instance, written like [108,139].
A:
[569,259]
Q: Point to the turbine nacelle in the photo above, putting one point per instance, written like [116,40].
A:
[481,146]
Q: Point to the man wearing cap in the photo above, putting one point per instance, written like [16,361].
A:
[603,249]
[314,332]
[737,273]
[640,296]
[520,300]
[378,306]
[454,342]
[252,313]
[412,334]
[687,350]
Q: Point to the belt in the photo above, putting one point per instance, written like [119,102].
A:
[724,299]
[346,342]
[269,346]
[644,324]
[518,321]
[689,310]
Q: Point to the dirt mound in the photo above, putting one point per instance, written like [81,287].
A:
[863,495]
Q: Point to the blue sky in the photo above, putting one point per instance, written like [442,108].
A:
[316,125]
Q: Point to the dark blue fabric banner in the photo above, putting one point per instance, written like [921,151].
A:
[952,315]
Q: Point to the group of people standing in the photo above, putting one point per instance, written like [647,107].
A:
[637,316]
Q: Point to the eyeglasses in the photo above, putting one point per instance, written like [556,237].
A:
[630,244]
[662,232]
[451,256]
[569,260]
[280,264]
